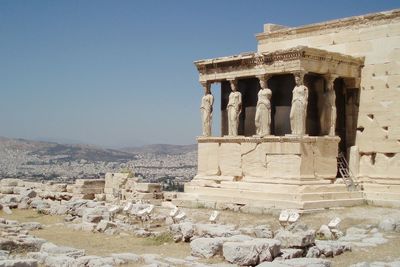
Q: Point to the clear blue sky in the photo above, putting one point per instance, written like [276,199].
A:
[121,73]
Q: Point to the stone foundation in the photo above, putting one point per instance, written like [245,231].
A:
[268,173]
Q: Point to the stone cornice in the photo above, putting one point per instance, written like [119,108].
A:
[267,139]
[351,22]
[260,63]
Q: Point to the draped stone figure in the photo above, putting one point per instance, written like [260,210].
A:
[263,110]
[298,111]
[234,109]
[328,114]
[206,109]
[332,103]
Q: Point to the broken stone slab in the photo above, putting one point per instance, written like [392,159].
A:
[53,249]
[334,223]
[330,248]
[31,226]
[206,247]
[28,193]
[148,187]
[297,262]
[324,233]
[251,252]
[187,230]
[19,263]
[7,210]
[95,215]
[214,216]
[299,239]
[180,217]
[291,253]
[59,261]
[126,258]
[216,230]
[313,252]
[174,212]
[263,231]
[103,225]
[389,225]
[9,182]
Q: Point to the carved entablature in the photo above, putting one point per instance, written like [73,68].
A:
[297,59]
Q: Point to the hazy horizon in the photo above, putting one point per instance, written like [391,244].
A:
[121,74]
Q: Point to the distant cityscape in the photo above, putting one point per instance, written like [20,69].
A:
[168,164]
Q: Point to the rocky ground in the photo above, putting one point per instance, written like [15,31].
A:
[51,231]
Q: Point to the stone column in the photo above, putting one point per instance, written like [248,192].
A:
[328,115]
[234,108]
[263,109]
[206,109]
[298,110]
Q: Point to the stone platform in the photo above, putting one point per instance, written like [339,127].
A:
[267,173]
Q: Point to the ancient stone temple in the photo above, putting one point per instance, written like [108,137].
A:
[294,113]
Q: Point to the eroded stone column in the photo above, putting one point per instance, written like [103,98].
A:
[206,109]
[263,109]
[298,110]
[328,115]
[234,108]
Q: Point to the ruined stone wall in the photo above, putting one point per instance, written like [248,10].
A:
[376,157]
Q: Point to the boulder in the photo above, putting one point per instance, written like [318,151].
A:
[187,230]
[206,247]
[9,182]
[95,215]
[331,248]
[324,233]
[251,252]
[215,230]
[298,239]
[31,226]
[291,253]
[59,261]
[28,193]
[7,190]
[53,249]
[313,252]
[299,262]
[104,225]
[389,225]
[127,258]
[19,263]
[263,231]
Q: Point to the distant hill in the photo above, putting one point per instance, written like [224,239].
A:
[162,149]
[63,151]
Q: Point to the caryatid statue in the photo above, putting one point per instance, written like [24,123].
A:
[328,112]
[206,109]
[298,111]
[263,110]
[234,109]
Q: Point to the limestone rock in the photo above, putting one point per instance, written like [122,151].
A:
[53,249]
[103,225]
[313,252]
[19,263]
[299,262]
[298,239]
[389,224]
[187,229]
[59,261]
[206,247]
[125,258]
[216,230]
[251,252]
[291,253]
[324,233]
[331,248]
